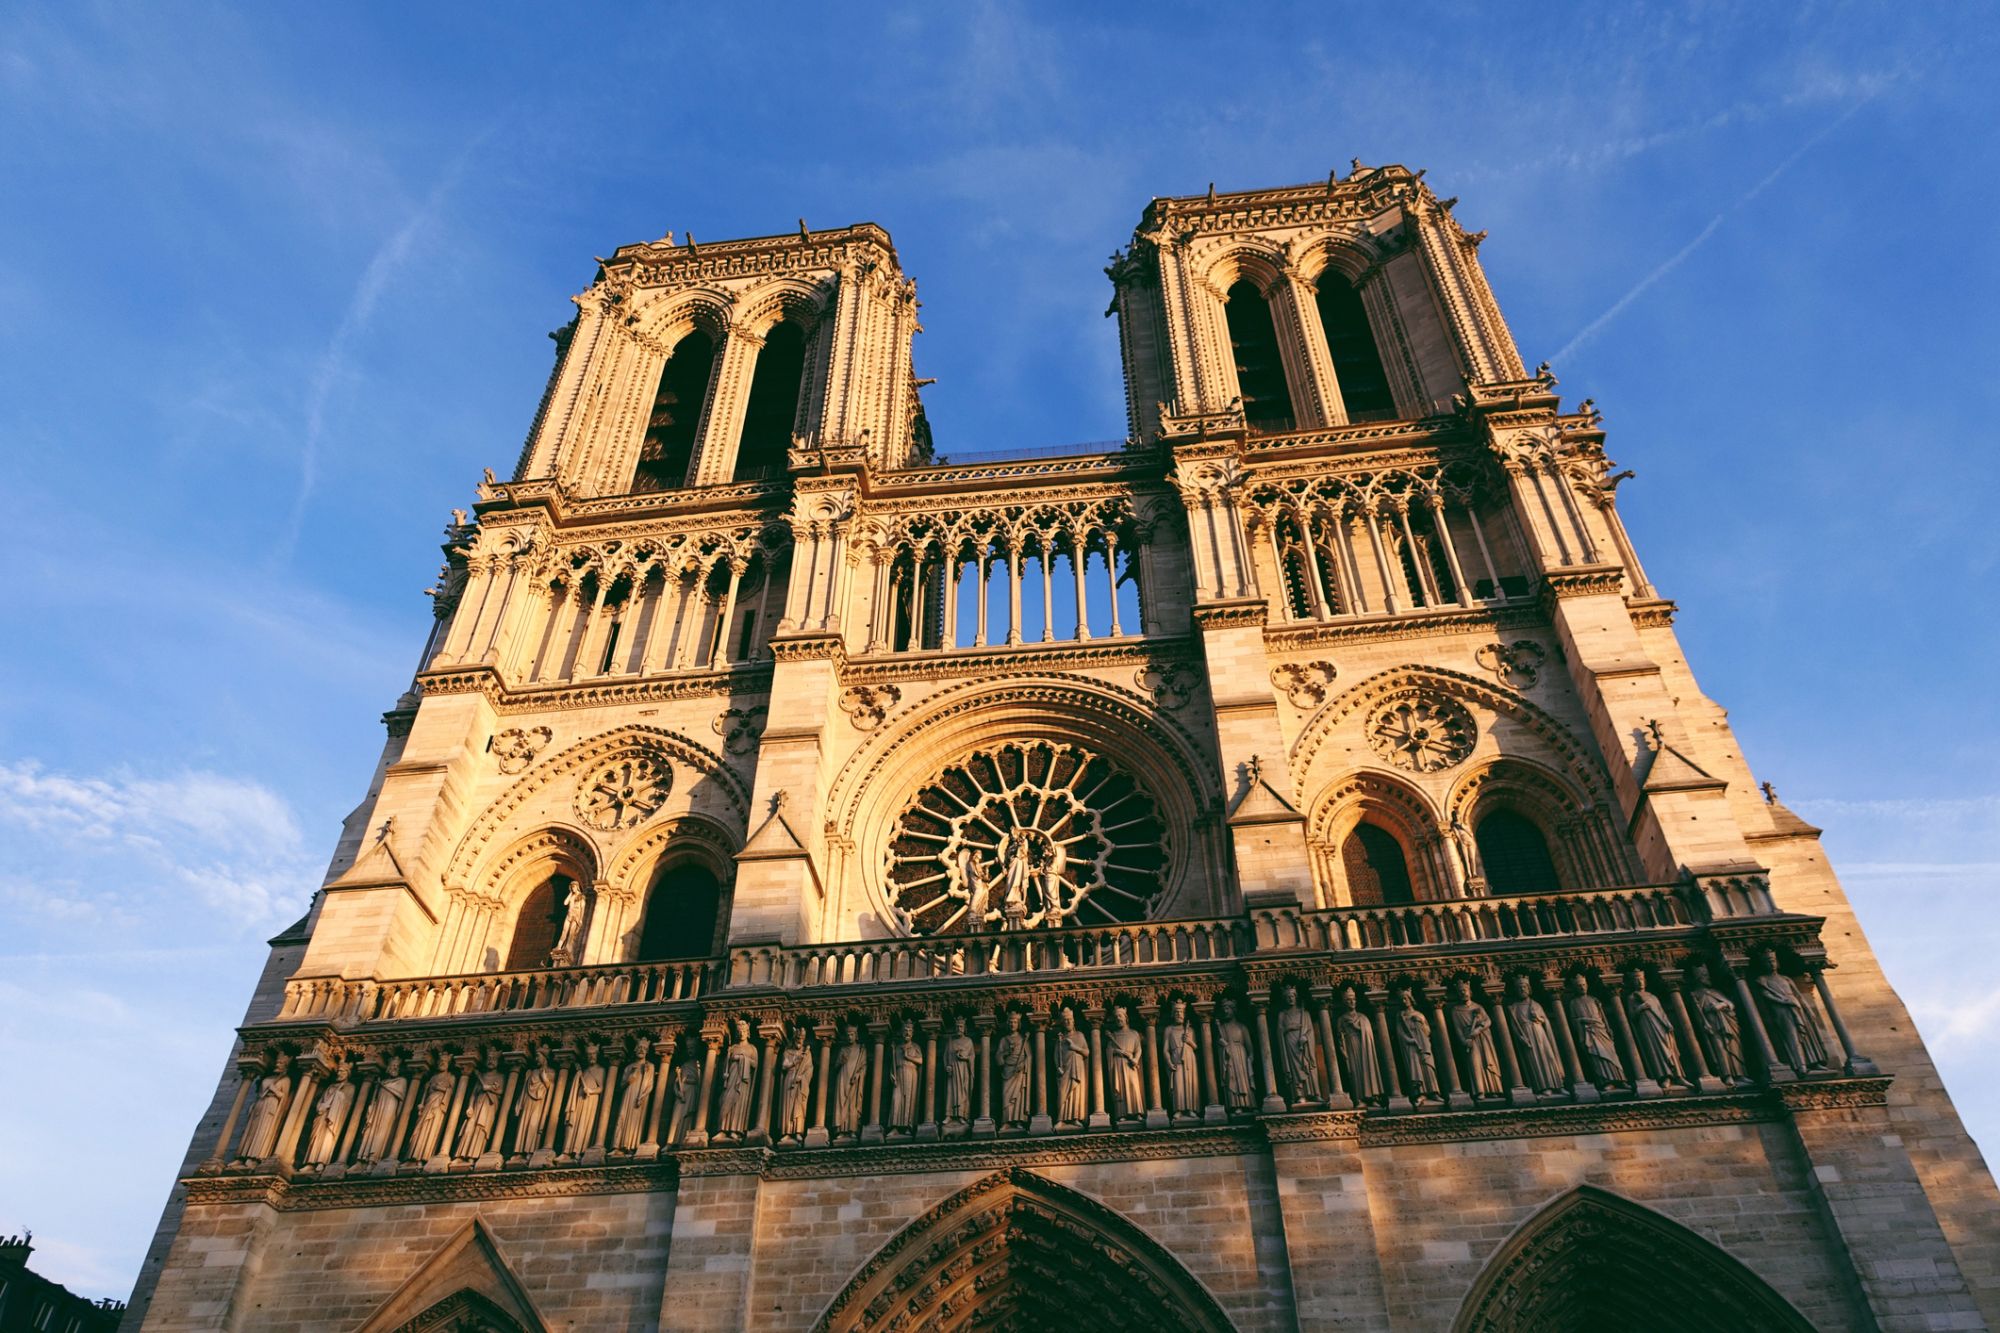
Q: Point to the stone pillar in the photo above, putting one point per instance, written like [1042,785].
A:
[1274,1102]
[1100,1114]
[1212,1110]
[817,1136]
[697,1134]
[1385,1052]
[1856,1064]
[1581,1088]
[1621,1026]
[219,1154]
[1510,1063]
[927,1114]
[983,1123]
[1336,1094]
[1684,1033]
[1039,1123]
[1455,1095]
[878,1033]
[767,1063]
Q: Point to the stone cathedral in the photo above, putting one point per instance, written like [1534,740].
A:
[1274,872]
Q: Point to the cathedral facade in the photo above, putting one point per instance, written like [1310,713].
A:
[1274,872]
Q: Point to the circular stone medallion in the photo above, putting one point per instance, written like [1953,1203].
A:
[1423,734]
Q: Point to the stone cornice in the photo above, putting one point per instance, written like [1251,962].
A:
[747,679]
[1296,635]
[1064,656]
[300,1193]
[1238,611]
[1583,581]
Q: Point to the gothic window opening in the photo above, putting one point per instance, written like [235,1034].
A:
[1515,853]
[772,411]
[668,448]
[1260,369]
[1350,343]
[538,924]
[683,912]
[1378,874]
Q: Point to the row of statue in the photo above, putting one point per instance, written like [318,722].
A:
[1415,1046]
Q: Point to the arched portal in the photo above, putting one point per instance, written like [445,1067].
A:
[1592,1260]
[1015,1253]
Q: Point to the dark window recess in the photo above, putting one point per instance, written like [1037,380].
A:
[538,924]
[1515,853]
[774,403]
[1364,387]
[1377,874]
[1260,371]
[681,915]
[668,449]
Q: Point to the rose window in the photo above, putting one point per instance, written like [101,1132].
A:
[1025,835]
[1423,734]
[624,792]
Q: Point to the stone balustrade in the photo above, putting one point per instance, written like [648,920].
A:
[344,1002]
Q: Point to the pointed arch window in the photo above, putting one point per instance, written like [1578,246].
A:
[1350,343]
[1515,854]
[1260,369]
[772,412]
[537,924]
[683,911]
[1378,874]
[668,449]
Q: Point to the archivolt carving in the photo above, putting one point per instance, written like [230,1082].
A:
[496,882]
[628,868]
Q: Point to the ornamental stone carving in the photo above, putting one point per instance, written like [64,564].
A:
[514,749]
[625,792]
[867,705]
[1169,686]
[1304,683]
[1516,664]
[740,728]
[1423,734]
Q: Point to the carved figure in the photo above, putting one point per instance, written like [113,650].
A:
[1356,1036]
[1296,1047]
[570,939]
[959,1055]
[1124,1053]
[1653,1032]
[427,1136]
[329,1114]
[850,1074]
[538,1090]
[794,1086]
[1180,1061]
[1794,1031]
[1232,1048]
[260,1131]
[482,1109]
[584,1095]
[1468,851]
[1593,1037]
[1016,872]
[1541,1062]
[974,884]
[906,1078]
[1420,1072]
[1474,1029]
[739,1081]
[384,1110]
[635,1095]
[1716,1013]
[1053,911]
[1072,1071]
[687,1091]
[1016,1054]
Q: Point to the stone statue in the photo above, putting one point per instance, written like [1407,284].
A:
[260,1131]
[906,1078]
[1296,1048]
[1356,1036]
[850,1077]
[482,1109]
[1594,1044]
[1232,1049]
[1124,1057]
[1072,1071]
[959,1057]
[570,939]
[585,1092]
[1468,851]
[1653,1033]
[795,1067]
[978,891]
[1535,1037]
[1716,1013]
[427,1135]
[1474,1029]
[1180,1061]
[635,1095]
[1420,1072]
[384,1110]
[1016,1067]
[538,1090]
[1017,871]
[687,1091]
[739,1083]
[1053,911]
[329,1114]
[1794,1031]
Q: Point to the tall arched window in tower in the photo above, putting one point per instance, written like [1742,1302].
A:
[682,913]
[670,430]
[1377,873]
[537,924]
[774,403]
[1260,370]
[1515,854]
[1357,364]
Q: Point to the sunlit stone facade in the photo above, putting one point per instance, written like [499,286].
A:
[1276,873]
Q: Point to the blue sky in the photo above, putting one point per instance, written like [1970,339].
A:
[275,284]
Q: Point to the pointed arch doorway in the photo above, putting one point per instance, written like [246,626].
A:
[1015,1253]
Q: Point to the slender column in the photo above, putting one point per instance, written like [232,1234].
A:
[589,651]
[1641,585]
[608,1060]
[1424,579]
[1336,1094]
[1389,579]
[1454,1096]
[392,1155]
[1533,476]
[979,585]
[983,1122]
[1775,1070]
[1580,1087]
[1156,1111]
[1322,607]
[1385,1053]
[558,1099]
[1211,1099]
[878,1032]
[1077,557]
[916,602]
[1100,1113]
[721,654]
[1048,594]
[1439,521]
[1111,580]
[1510,1064]
[216,1156]
[1014,591]
[663,1078]
[303,1098]
[1273,1102]
[1584,539]
[760,1118]
[1348,558]
[666,616]
[948,638]
[693,603]
[471,606]
[927,1113]
[1039,1123]
[697,1134]
[1485,553]
[1857,1063]
[364,1091]
[817,1136]
[764,607]
[1642,1082]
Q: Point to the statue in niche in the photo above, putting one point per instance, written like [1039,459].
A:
[959,1057]
[427,1136]
[1541,1062]
[482,1109]
[1420,1071]
[850,1077]
[1653,1033]
[384,1110]
[1180,1061]
[260,1131]
[1474,1029]
[687,1090]
[1593,1041]
[538,1090]
[906,1078]
[584,1095]
[329,1115]
[1296,1046]
[635,1094]
[1467,846]
[1716,1013]
[739,1083]
[1124,1054]
[1232,1047]
[795,1067]
[570,939]
[1016,1066]
[1072,1070]
[1356,1036]
[1794,1031]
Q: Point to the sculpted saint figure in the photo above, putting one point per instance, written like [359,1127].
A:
[906,1077]
[1072,1071]
[1017,871]
[850,1075]
[1053,911]
[1541,1062]
[1180,1061]
[1474,1027]
[329,1115]
[1716,1013]
[1793,1029]
[1232,1051]
[585,1093]
[739,1082]
[1124,1053]
[687,1090]
[1296,1047]
[1468,851]
[570,938]
[260,1131]
[1016,1057]
[1600,1056]
[973,882]
[427,1136]
[1420,1071]
[482,1109]
[635,1094]
[1653,1032]
[959,1055]
[384,1110]
[538,1091]
[794,1086]
[1356,1036]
